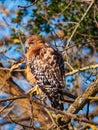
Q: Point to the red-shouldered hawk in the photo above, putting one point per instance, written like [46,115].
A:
[45,68]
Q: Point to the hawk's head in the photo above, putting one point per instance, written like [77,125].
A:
[34,39]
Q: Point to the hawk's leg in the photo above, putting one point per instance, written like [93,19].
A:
[35,90]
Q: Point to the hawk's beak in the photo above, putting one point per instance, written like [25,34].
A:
[26,49]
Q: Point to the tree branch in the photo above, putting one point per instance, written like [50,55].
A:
[27,6]
[81,100]
[78,24]
[82,69]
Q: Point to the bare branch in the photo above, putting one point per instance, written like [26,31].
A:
[5,107]
[83,98]
[82,69]
[12,98]
[20,123]
[65,114]
[24,7]
[23,49]
[78,24]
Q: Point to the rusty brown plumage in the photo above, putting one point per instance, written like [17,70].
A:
[45,68]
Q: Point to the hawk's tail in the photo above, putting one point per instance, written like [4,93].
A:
[57,101]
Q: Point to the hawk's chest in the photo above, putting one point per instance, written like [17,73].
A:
[30,76]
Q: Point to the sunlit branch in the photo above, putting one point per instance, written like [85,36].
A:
[82,69]
[12,120]
[54,110]
[6,106]
[82,99]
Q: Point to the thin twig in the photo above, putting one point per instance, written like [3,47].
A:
[6,106]
[82,69]
[27,6]
[31,109]
[49,113]
[1,68]
[6,77]
[65,8]
[23,49]
[12,98]
[20,123]
[27,118]
[70,66]
[78,24]
[95,14]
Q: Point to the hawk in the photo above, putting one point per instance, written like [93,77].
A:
[45,68]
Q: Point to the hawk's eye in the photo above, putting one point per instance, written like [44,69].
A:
[31,42]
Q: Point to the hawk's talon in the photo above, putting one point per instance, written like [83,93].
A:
[34,91]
